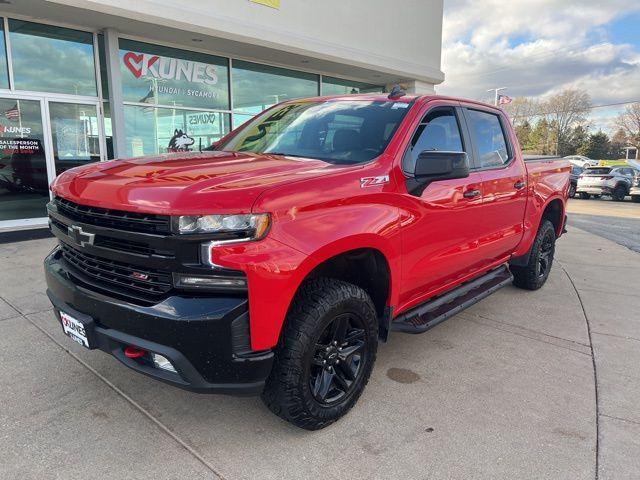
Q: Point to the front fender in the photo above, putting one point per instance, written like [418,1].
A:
[275,271]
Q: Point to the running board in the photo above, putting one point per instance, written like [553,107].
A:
[429,314]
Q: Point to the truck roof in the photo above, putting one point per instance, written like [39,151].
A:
[384,97]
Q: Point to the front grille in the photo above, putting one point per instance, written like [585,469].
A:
[130,247]
[107,274]
[119,244]
[121,220]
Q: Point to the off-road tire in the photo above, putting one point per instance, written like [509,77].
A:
[585,196]
[619,193]
[572,191]
[635,198]
[287,391]
[529,277]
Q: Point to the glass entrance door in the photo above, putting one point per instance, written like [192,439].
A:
[24,178]
[41,137]
[75,134]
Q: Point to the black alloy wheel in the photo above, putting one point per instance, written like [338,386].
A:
[534,274]
[619,193]
[545,256]
[325,355]
[338,360]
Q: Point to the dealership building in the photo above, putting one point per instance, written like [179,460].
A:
[84,81]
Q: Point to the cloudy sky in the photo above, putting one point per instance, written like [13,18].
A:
[538,47]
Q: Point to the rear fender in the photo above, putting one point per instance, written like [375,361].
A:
[532,220]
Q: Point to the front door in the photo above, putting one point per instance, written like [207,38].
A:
[440,236]
[40,137]
[75,134]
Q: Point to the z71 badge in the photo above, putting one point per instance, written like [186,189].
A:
[373,181]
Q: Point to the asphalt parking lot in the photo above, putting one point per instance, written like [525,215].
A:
[617,221]
[523,385]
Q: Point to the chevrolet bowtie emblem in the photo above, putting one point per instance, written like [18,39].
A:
[79,236]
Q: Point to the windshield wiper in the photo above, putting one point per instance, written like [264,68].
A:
[283,154]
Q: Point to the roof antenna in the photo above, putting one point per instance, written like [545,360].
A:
[396,92]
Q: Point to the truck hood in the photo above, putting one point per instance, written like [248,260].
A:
[185,183]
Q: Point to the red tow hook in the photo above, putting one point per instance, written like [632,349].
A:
[134,352]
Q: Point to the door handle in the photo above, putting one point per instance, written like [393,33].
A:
[519,184]
[471,194]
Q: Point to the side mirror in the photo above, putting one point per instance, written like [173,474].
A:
[433,165]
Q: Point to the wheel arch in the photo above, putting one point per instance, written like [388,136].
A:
[369,263]
[554,212]
[624,184]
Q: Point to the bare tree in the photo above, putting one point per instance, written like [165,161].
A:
[629,122]
[522,110]
[566,109]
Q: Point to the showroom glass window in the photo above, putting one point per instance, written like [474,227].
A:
[151,130]
[338,86]
[257,87]
[52,59]
[167,76]
[4,73]
[174,100]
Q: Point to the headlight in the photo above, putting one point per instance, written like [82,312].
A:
[252,226]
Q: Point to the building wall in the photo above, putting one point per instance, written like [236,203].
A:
[85,81]
[373,34]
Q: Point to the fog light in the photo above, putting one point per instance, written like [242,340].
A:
[162,362]
[210,282]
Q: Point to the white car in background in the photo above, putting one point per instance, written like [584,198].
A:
[613,181]
[581,161]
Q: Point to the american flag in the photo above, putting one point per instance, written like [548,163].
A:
[504,99]
[13,113]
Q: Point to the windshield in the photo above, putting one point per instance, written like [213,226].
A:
[339,132]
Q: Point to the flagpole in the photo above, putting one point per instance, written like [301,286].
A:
[496,90]
[19,119]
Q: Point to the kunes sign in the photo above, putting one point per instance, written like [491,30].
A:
[145,65]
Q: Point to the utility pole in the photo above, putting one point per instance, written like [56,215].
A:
[496,90]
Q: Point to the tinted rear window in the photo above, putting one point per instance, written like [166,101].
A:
[598,171]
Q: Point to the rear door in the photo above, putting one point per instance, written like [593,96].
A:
[504,183]
[443,223]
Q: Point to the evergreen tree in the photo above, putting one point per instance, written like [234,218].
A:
[523,131]
[577,137]
[598,146]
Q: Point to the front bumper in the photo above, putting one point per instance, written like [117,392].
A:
[206,338]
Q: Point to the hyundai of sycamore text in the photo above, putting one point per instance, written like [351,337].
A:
[275,263]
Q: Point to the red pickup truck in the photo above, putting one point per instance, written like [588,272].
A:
[277,262]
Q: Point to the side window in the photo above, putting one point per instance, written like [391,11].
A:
[488,136]
[438,131]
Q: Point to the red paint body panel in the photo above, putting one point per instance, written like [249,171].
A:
[431,242]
